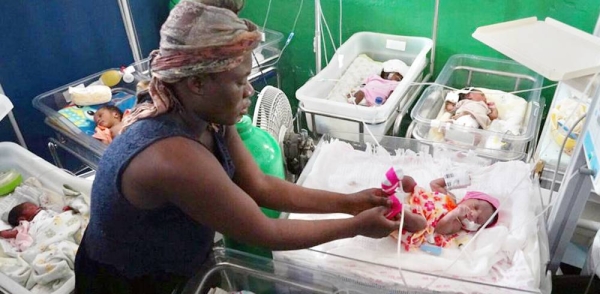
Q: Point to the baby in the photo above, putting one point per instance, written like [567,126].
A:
[109,123]
[26,211]
[443,218]
[377,88]
[470,108]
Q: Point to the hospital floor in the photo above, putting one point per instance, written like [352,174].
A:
[572,283]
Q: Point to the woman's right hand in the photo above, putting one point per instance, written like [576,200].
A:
[373,223]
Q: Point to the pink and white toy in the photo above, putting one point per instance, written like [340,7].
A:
[393,181]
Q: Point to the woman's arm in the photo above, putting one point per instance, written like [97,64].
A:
[183,172]
[281,195]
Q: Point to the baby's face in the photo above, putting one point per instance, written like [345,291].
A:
[476,96]
[392,76]
[480,210]
[106,118]
[30,211]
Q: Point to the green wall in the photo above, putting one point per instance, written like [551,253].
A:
[458,19]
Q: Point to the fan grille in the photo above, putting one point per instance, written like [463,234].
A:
[273,112]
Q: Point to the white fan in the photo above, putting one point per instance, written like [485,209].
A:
[273,114]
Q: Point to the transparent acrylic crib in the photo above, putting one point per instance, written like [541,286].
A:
[468,70]
[67,135]
[89,150]
[351,267]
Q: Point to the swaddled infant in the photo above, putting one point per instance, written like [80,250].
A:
[470,108]
[443,219]
[33,225]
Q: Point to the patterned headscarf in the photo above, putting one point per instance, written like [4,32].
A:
[198,37]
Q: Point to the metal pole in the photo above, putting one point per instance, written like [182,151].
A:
[130,30]
[317,40]
[434,35]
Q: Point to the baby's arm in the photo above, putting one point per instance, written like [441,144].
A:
[450,107]
[451,222]
[493,111]
[9,234]
[439,185]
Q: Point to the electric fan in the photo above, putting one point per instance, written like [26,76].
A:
[273,114]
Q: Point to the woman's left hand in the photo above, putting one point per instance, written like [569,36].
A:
[367,199]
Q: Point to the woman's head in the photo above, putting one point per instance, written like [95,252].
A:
[23,212]
[202,42]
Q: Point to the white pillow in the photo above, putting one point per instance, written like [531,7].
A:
[357,72]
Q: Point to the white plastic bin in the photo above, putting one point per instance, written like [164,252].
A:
[30,165]
[345,117]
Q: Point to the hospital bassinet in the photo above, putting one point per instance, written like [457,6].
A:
[322,98]
[83,146]
[362,258]
[482,72]
[30,165]
[69,136]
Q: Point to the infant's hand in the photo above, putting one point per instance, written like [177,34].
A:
[491,105]
[8,234]
[461,212]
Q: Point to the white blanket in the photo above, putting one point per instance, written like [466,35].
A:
[506,254]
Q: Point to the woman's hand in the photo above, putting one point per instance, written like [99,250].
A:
[373,223]
[366,199]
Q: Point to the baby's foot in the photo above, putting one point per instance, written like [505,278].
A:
[414,222]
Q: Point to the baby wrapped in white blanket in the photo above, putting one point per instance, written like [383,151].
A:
[42,255]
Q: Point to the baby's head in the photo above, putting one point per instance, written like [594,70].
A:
[107,116]
[24,211]
[471,94]
[394,70]
[482,206]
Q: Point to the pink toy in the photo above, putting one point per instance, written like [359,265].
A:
[396,207]
[392,180]
[389,185]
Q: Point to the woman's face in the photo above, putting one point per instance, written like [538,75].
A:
[225,96]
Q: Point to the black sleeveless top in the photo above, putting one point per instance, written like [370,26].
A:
[137,241]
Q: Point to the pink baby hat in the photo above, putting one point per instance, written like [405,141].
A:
[389,185]
[485,197]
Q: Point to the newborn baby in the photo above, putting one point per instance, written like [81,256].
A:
[377,88]
[443,218]
[109,122]
[470,108]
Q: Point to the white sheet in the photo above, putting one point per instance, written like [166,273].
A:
[507,254]
[357,72]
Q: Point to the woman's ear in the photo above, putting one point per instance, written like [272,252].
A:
[194,84]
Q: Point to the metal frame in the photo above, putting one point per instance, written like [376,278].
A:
[11,118]
[572,198]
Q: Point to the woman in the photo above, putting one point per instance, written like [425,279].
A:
[179,171]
